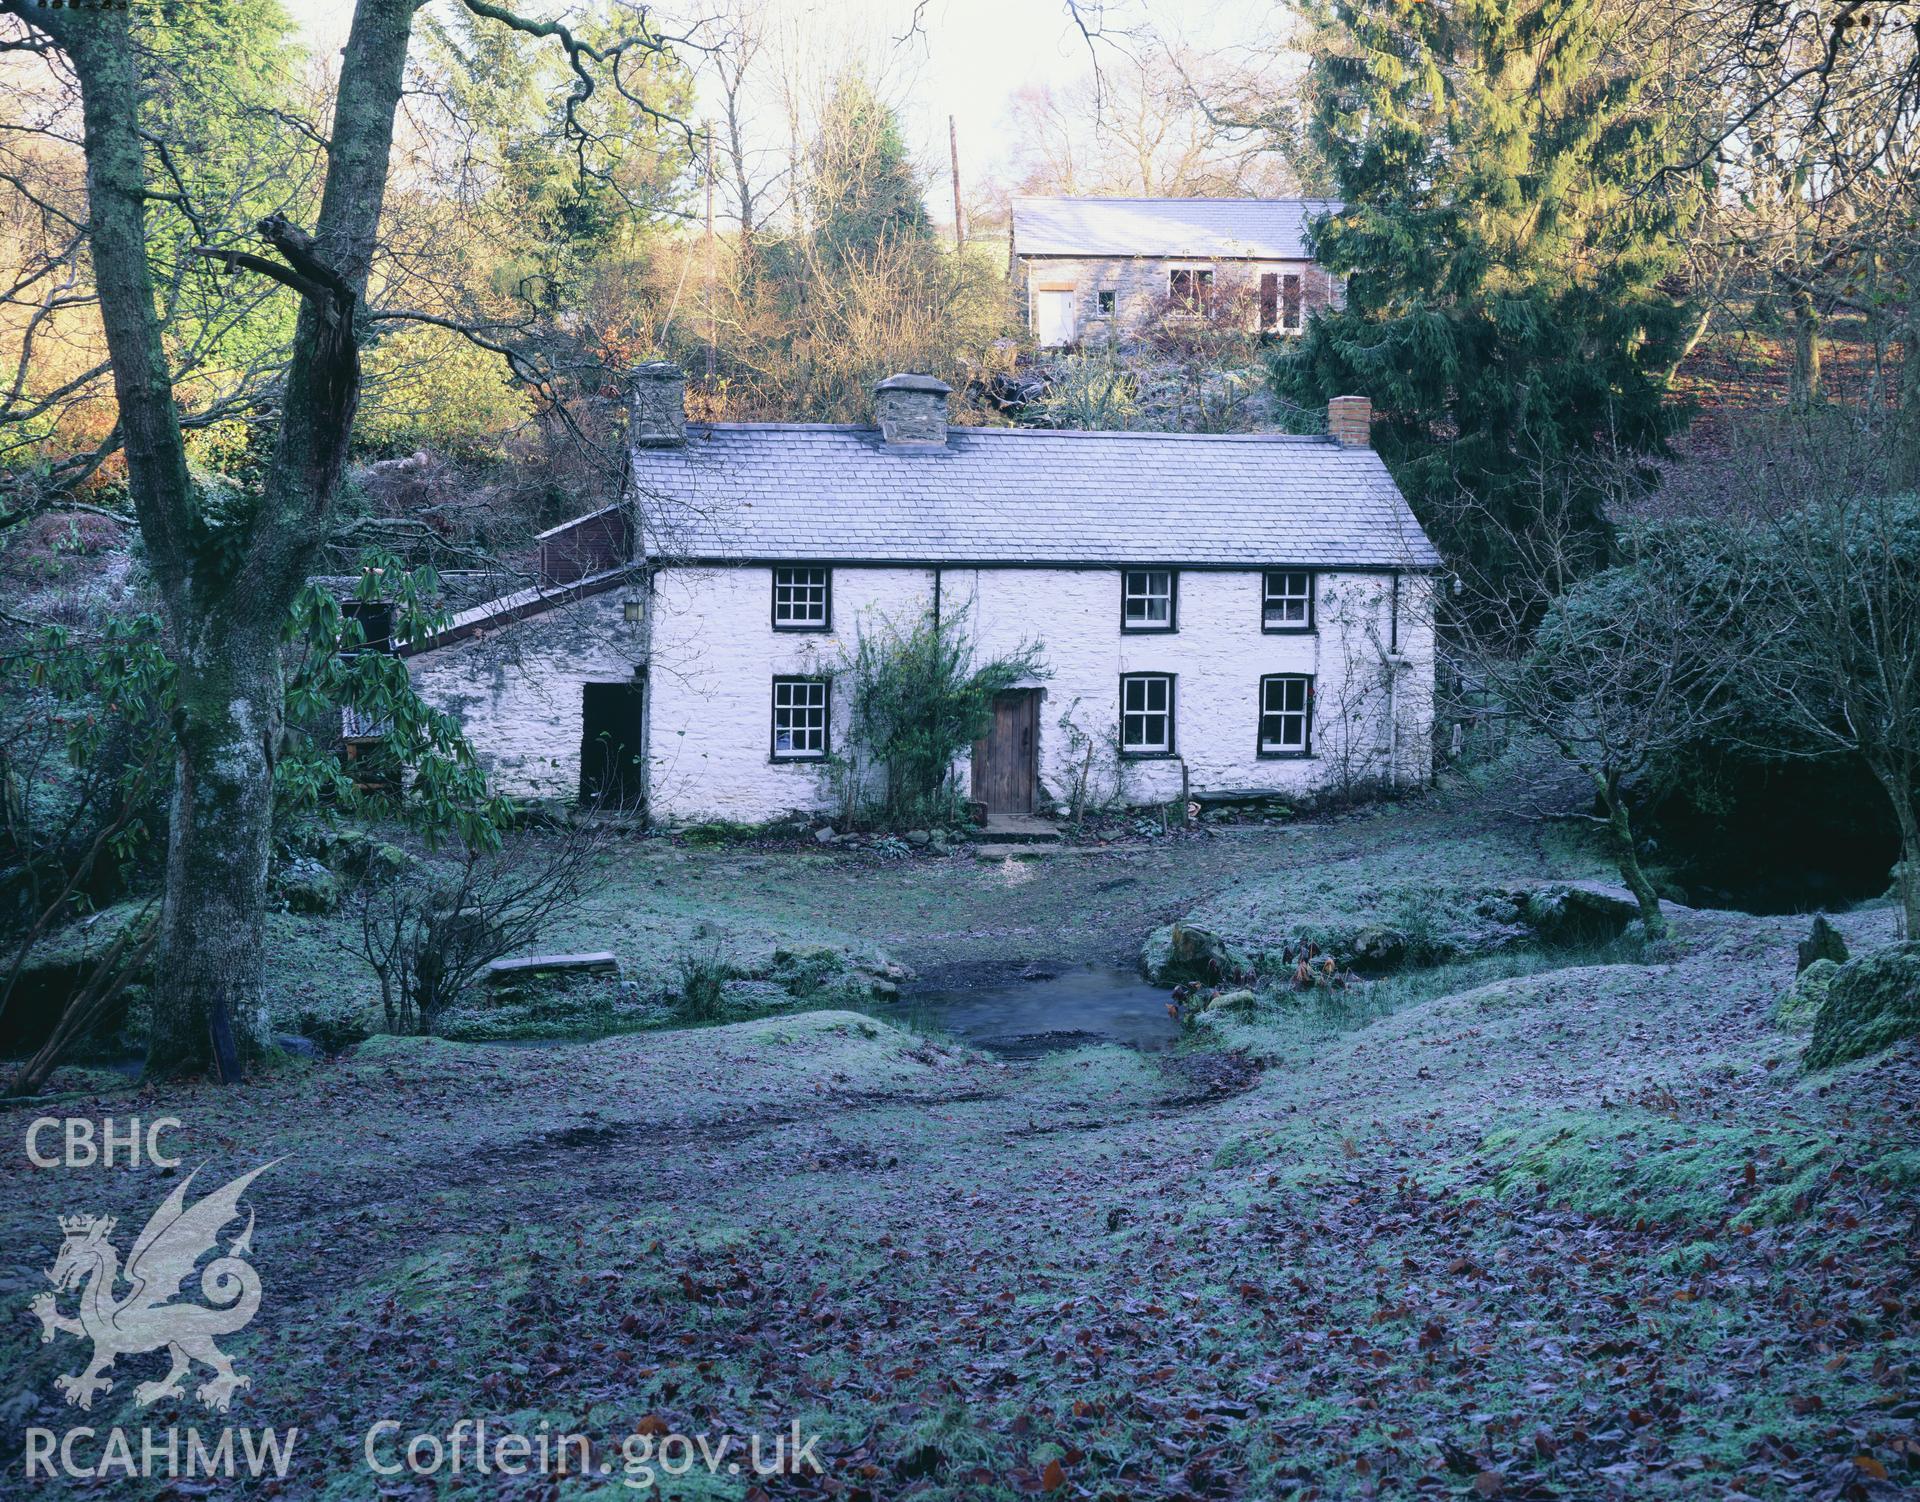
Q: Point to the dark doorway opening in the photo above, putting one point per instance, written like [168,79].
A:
[612,732]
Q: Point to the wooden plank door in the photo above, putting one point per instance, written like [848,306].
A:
[1005,760]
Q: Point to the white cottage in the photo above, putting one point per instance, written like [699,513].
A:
[1093,268]
[1218,614]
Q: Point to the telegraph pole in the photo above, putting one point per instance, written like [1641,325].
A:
[713,325]
[953,150]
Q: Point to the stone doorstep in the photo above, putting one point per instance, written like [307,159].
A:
[538,964]
[1013,830]
[1028,852]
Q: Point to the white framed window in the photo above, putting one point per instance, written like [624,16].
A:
[1190,288]
[1286,600]
[1147,599]
[800,711]
[1292,303]
[802,599]
[1286,715]
[1146,714]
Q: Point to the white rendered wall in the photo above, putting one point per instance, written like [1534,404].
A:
[516,689]
[716,654]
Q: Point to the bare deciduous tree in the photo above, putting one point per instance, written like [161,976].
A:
[226,583]
[1835,654]
[1148,122]
[429,938]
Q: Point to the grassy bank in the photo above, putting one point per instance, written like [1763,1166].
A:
[1572,1229]
[1560,1229]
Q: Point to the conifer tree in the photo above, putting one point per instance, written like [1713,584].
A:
[1507,247]
[863,187]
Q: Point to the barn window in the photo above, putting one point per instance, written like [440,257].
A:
[1147,599]
[1286,715]
[800,718]
[1190,288]
[1286,601]
[802,599]
[1146,714]
[375,619]
[1290,304]
[1105,302]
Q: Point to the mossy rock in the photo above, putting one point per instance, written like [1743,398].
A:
[1183,952]
[1563,914]
[749,998]
[1376,947]
[59,964]
[807,968]
[355,854]
[1872,1003]
[305,886]
[1823,943]
[335,1025]
[1241,1002]
[1800,1007]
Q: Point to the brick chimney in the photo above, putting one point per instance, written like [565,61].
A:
[1350,421]
[658,419]
[912,410]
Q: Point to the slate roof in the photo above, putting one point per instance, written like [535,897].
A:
[784,491]
[1259,228]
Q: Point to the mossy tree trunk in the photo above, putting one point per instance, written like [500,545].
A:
[1907,874]
[225,605]
[1804,392]
[210,1004]
[1626,855]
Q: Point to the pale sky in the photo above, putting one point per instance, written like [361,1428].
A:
[967,60]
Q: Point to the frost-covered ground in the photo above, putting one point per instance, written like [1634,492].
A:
[1582,1232]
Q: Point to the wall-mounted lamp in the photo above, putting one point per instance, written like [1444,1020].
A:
[630,610]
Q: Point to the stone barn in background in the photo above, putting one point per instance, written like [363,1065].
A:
[1089,269]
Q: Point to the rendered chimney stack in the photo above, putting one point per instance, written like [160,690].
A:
[659,416]
[1350,421]
[912,410]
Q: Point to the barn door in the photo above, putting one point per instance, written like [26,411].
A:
[1053,317]
[1006,760]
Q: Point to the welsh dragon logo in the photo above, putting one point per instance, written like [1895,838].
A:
[150,1314]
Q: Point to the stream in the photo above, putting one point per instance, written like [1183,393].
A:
[1071,1006]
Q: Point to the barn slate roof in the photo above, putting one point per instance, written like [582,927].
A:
[1257,228]
[760,492]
